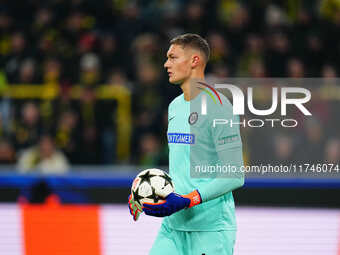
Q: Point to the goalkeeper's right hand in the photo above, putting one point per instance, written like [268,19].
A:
[135,209]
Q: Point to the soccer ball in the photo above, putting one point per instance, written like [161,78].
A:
[148,184]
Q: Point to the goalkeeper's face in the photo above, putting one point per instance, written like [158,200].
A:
[179,63]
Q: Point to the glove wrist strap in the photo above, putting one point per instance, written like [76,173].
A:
[195,198]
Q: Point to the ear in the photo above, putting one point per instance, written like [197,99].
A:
[196,60]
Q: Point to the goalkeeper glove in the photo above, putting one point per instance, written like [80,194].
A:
[173,203]
[135,209]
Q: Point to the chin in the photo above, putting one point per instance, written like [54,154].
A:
[174,81]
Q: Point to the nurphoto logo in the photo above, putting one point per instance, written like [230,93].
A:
[239,105]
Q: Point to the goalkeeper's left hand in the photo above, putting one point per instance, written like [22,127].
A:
[173,203]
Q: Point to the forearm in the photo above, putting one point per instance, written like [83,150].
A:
[220,185]
[225,182]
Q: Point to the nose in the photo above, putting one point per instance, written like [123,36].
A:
[166,64]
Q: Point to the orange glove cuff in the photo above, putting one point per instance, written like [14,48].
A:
[195,198]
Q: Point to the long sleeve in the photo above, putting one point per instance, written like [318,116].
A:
[225,182]
[228,146]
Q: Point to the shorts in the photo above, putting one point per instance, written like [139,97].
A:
[174,242]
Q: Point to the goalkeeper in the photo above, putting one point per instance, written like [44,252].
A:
[200,216]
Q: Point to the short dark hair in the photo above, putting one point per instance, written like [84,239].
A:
[195,41]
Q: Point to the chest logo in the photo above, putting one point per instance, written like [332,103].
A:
[193,118]
[181,138]
[171,118]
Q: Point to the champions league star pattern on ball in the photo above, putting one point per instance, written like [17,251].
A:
[149,183]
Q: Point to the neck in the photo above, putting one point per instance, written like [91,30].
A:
[189,89]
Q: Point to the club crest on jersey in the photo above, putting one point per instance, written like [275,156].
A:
[181,138]
[193,118]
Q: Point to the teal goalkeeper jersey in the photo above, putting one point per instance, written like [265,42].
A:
[194,147]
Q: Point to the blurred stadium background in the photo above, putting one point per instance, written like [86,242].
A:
[83,108]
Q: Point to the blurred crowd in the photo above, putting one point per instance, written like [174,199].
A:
[123,43]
